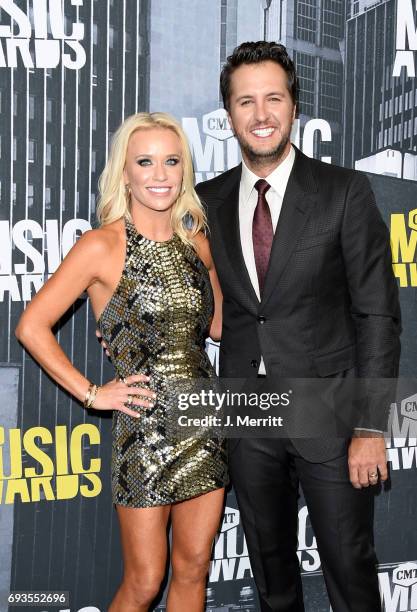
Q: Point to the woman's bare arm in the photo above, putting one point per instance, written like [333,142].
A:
[203,249]
[83,266]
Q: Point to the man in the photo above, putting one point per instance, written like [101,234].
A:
[304,263]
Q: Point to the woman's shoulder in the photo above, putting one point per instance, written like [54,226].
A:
[202,247]
[103,240]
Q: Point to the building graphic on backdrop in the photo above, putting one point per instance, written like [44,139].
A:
[380,102]
[226,22]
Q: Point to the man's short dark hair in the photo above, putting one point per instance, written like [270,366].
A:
[255,53]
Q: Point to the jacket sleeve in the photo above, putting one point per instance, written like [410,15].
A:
[374,299]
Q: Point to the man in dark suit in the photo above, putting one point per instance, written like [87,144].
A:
[304,263]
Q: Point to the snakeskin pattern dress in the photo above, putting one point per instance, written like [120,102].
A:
[155,323]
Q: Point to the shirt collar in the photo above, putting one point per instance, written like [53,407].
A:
[278,178]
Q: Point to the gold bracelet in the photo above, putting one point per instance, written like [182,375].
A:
[90,396]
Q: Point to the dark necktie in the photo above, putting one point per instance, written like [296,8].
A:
[262,232]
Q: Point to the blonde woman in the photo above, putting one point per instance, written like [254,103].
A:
[151,281]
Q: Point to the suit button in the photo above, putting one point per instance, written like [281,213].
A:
[261,319]
[254,363]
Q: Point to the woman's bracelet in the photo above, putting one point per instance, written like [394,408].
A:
[90,396]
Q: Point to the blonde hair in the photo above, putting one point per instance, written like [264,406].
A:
[187,214]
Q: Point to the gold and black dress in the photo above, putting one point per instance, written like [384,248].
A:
[155,324]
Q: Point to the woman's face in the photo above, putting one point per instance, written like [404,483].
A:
[154,168]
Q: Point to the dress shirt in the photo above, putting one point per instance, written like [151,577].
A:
[248,198]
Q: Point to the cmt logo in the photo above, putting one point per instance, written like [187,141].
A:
[405,575]
[400,593]
[404,247]
[409,407]
[231,519]
[44,44]
[216,124]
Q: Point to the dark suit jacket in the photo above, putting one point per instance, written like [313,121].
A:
[330,301]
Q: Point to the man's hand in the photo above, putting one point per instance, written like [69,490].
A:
[103,344]
[367,457]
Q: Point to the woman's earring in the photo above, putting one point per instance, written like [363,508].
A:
[128,190]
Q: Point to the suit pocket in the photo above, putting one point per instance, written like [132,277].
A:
[336,361]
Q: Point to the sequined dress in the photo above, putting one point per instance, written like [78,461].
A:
[155,323]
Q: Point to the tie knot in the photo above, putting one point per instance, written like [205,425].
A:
[262,186]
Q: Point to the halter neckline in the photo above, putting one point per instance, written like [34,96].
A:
[131,226]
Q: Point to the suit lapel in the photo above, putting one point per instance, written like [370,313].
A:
[228,224]
[297,204]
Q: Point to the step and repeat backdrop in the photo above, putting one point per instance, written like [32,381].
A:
[70,72]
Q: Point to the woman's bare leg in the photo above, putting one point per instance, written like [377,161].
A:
[144,544]
[194,525]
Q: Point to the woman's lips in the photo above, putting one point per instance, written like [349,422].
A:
[159,190]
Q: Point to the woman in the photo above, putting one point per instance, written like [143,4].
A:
[151,281]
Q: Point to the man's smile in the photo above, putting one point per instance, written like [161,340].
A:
[263,132]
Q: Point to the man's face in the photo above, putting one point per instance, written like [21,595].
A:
[261,112]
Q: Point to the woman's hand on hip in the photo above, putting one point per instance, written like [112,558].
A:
[119,394]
